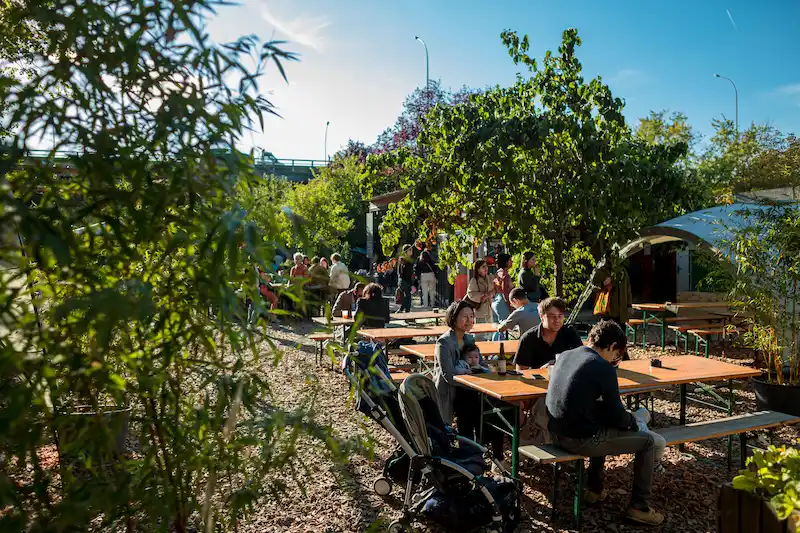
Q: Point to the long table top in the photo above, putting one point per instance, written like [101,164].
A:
[676,307]
[334,321]
[630,374]
[416,315]
[486,347]
[430,331]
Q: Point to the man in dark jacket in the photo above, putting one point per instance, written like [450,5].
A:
[586,417]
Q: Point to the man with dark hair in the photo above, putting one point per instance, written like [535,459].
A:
[347,300]
[525,314]
[542,343]
[586,417]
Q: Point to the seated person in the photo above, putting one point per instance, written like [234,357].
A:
[372,308]
[265,289]
[540,344]
[582,425]
[347,300]
[525,314]
[470,362]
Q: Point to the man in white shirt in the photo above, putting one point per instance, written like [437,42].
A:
[340,276]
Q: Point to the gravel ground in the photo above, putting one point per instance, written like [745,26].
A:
[339,498]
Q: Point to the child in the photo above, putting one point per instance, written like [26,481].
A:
[642,417]
[470,361]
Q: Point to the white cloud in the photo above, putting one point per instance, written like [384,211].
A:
[790,91]
[306,30]
[627,76]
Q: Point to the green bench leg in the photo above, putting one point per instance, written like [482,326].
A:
[576,507]
[554,495]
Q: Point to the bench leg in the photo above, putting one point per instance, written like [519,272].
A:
[742,450]
[554,495]
[579,482]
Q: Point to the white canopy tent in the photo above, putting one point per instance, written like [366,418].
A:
[708,228]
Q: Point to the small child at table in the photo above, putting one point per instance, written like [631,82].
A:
[470,362]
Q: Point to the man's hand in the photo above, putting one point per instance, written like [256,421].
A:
[520,368]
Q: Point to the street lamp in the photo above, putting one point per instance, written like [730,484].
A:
[326,139]
[736,92]
[427,67]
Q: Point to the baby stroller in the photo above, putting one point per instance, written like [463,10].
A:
[443,473]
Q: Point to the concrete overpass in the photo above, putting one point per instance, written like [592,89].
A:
[294,170]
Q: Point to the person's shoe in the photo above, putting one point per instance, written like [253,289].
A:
[649,517]
[658,469]
[593,497]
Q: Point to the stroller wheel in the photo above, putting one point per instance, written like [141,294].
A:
[398,526]
[382,486]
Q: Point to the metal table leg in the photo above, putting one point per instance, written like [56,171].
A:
[515,442]
[682,422]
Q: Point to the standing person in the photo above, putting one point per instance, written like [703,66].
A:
[480,291]
[530,279]
[405,276]
[613,279]
[581,424]
[503,285]
[427,272]
[340,276]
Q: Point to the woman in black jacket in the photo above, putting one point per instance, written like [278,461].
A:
[372,308]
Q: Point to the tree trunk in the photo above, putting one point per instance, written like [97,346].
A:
[558,261]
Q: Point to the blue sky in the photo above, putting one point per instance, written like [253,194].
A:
[359,58]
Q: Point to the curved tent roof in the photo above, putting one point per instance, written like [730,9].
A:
[709,228]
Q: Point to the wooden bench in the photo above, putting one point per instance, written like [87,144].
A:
[682,330]
[701,334]
[549,454]
[320,338]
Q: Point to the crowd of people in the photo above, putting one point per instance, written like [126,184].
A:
[582,411]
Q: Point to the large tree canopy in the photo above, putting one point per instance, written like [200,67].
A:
[548,161]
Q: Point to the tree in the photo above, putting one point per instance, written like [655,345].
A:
[548,159]
[731,165]
[664,128]
[124,285]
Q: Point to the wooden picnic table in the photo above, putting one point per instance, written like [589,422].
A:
[631,375]
[418,315]
[655,314]
[333,321]
[425,351]
[409,332]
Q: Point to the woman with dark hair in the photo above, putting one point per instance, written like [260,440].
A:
[501,305]
[462,402]
[530,278]
[427,271]
[460,318]
[480,291]
[372,308]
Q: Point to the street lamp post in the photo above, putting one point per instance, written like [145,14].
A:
[427,64]
[326,139]
[736,92]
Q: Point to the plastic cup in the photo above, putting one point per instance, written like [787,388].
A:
[501,367]
[345,314]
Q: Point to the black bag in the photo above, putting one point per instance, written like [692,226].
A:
[460,510]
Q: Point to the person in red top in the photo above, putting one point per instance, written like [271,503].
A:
[299,270]
[265,289]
